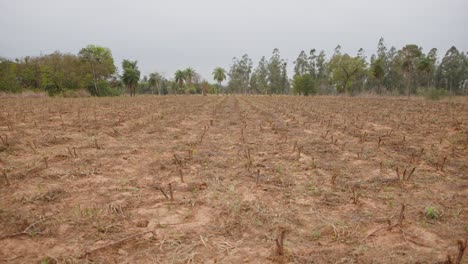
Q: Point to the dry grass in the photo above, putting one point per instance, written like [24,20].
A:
[233,179]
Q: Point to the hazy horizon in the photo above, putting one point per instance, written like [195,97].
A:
[165,36]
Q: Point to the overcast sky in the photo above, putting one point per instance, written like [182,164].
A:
[168,35]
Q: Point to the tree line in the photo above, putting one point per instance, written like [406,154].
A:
[405,71]
[390,72]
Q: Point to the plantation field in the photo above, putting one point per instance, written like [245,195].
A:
[233,179]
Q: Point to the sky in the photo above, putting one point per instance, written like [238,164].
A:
[166,35]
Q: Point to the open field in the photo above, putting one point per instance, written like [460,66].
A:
[222,179]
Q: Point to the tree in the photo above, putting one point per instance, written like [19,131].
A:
[189,74]
[345,70]
[100,61]
[426,68]
[409,58]
[239,74]
[261,76]
[379,67]
[8,81]
[205,87]
[452,72]
[313,63]
[131,75]
[377,72]
[219,75]
[301,64]
[321,68]
[304,84]
[276,74]
[394,78]
[179,78]
[156,80]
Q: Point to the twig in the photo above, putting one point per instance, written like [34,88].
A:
[25,231]
[10,259]
[171,193]
[402,215]
[6,178]
[114,243]
[280,242]
[162,191]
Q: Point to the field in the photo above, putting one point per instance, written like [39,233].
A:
[233,179]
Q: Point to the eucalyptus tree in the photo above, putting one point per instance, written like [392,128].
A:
[409,58]
[276,73]
[131,75]
[313,63]
[301,64]
[452,71]
[261,76]
[239,74]
[321,67]
[377,72]
[426,69]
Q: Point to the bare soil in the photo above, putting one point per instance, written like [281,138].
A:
[253,179]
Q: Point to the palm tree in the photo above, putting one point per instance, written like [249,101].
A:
[179,77]
[189,74]
[131,75]
[219,75]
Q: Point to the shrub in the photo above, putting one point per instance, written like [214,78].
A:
[304,84]
[52,89]
[76,93]
[432,93]
[103,89]
[191,90]
[431,213]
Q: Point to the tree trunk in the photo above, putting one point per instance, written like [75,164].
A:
[408,89]
[94,79]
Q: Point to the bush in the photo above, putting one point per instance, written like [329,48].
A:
[304,84]
[191,90]
[432,93]
[432,213]
[76,93]
[52,89]
[103,89]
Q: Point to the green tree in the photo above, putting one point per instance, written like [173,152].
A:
[239,74]
[179,78]
[304,84]
[345,70]
[377,72]
[276,74]
[189,74]
[321,69]
[261,76]
[219,75]
[426,68]
[8,82]
[131,75]
[452,71]
[28,72]
[301,64]
[156,81]
[100,61]
[408,59]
